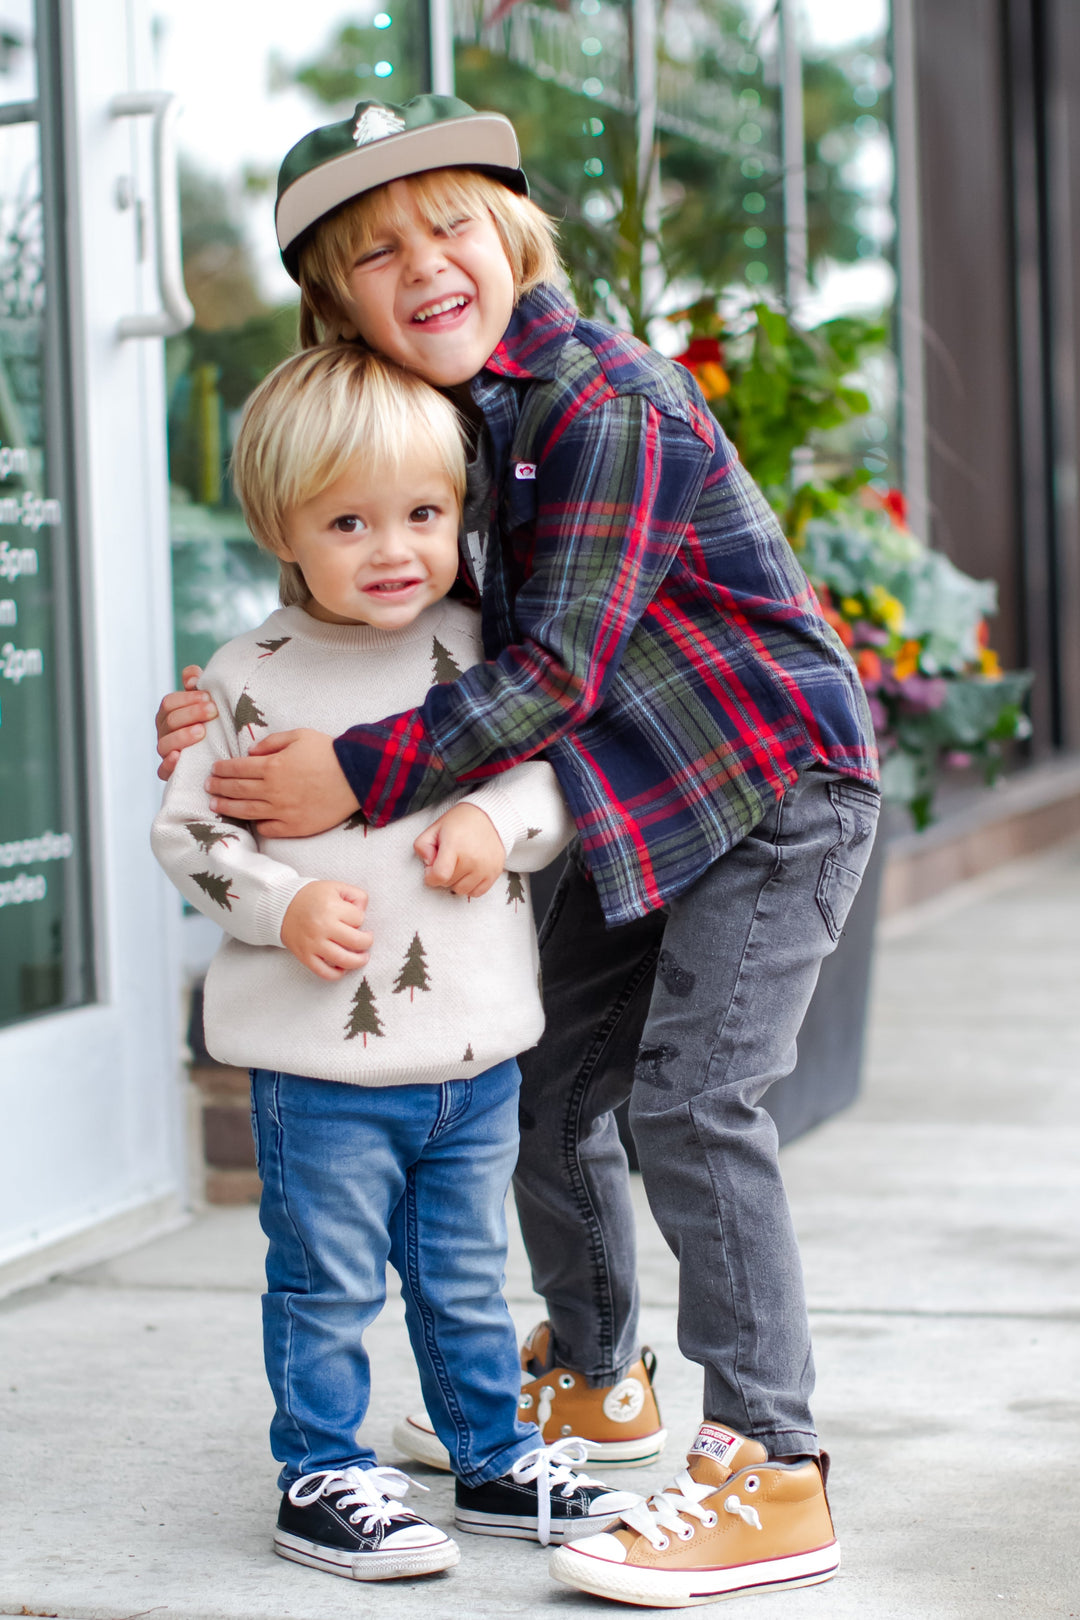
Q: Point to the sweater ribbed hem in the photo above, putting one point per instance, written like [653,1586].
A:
[415,1075]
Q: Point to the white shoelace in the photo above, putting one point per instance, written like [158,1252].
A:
[373,1492]
[552,1468]
[668,1511]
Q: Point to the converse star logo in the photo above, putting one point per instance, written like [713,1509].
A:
[623,1403]
[524,469]
[374,124]
[715,1442]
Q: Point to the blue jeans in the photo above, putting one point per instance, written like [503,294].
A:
[354,1176]
[691,1013]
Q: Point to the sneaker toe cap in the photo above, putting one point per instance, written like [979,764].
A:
[608,1548]
[613,1502]
[414,1535]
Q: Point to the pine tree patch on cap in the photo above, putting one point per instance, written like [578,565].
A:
[382,142]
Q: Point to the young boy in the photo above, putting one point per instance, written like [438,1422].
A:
[648,629]
[381,1040]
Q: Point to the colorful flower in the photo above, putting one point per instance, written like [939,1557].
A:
[922,694]
[869,666]
[895,503]
[887,608]
[704,358]
[906,662]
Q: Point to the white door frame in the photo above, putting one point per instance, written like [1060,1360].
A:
[91,1099]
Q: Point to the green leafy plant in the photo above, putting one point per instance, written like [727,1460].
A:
[775,388]
[914,623]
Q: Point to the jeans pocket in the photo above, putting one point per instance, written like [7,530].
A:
[856,808]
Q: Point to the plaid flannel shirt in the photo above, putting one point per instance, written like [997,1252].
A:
[647,627]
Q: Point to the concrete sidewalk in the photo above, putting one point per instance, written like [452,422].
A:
[940,1223]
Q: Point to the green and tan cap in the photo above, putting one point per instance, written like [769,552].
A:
[383,142]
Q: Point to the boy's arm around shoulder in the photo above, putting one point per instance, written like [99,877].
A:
[607,507]
[214,862]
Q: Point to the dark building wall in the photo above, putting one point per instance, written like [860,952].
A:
[968,297]
[1063,163]
[999,153]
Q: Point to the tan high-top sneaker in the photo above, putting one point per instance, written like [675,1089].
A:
[732,1522]
[620,1424]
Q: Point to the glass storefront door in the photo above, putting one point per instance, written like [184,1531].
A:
[44,960]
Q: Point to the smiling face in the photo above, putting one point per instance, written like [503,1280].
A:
[434,298]
[377,549]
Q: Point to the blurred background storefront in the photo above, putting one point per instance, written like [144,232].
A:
[904,161]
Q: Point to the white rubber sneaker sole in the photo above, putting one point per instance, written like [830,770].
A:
[679,1589]
[414,1439]
[524,1529]
[368,1566]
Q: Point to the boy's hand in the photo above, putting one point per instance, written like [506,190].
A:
[322,928]
[290,785]
[182,719]
[461,851]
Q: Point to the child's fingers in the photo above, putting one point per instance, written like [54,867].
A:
[473,882]
[190,676]
[167,766]
[340,958]
[181,709]
[427,845]
[356,897]
[353,941]
[444,869]
[171,742]
[315,964]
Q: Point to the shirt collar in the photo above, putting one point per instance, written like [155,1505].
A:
[530,347]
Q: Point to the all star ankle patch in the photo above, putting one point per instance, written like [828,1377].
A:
[715,1442]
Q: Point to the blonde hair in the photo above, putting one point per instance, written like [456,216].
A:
[442,195]
[318,413]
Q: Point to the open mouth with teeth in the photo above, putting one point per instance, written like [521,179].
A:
[445,306]
[390,587]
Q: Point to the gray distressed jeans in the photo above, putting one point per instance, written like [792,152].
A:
[691,1012]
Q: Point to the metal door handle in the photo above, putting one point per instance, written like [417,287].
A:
[176,312]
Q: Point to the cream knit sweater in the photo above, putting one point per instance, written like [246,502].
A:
[452,984]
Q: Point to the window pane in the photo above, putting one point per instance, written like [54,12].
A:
[847,91]
[43,961]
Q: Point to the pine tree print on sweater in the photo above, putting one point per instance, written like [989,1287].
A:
[414,973]
[363,1019]
[247,713]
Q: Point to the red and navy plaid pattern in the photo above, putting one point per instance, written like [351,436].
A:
[647,626]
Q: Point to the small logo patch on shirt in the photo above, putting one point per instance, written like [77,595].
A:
[524,469]
[712,1441]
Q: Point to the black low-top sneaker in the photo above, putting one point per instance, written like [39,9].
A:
[542,1498]
[350,1522]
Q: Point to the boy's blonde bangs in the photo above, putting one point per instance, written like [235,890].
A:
[319,413]
[442,195]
